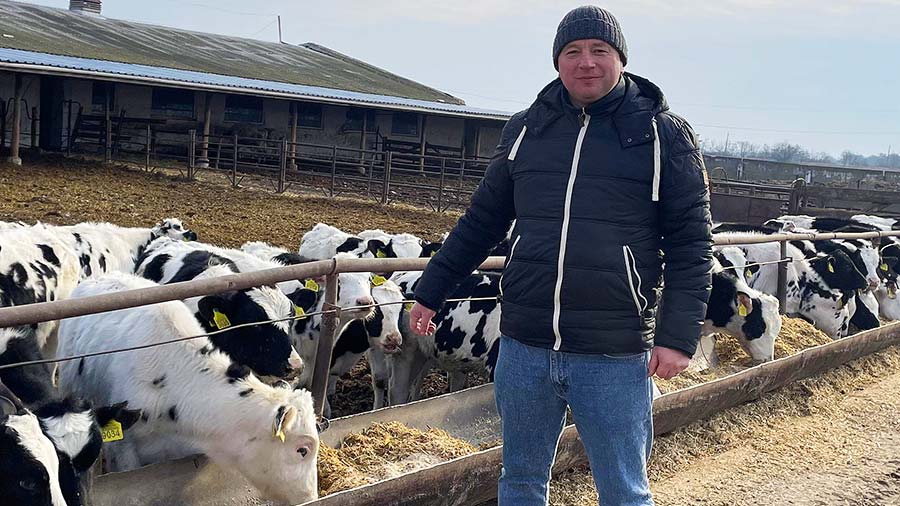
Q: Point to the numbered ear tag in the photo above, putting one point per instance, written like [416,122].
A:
[112,431]
[742,310]
[378,280]
[299,312]
[220,320]
[311,285]
[380,254]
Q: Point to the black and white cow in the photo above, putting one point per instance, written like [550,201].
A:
[375,337]
[324,242]
[734,308]
[466,339]
[29,467]
[70,423]
[400,245]
[818,289]
[105,247]
[193,397]
[265,348]
[35,266]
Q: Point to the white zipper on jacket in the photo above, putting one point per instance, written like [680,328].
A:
[631,270]
[557,305]
[515,148]
[657,162]
[512,251]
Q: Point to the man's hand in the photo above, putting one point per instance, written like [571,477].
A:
[420,320]
[667,363]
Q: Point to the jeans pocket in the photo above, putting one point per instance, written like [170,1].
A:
[626,357]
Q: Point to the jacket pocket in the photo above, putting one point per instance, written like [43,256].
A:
[512,251]
[634,280]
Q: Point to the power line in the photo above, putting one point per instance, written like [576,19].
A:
[220,9]
[817,132]
[254,34]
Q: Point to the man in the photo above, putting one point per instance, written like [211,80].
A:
[605,186]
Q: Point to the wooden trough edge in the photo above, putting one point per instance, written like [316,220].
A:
[473,479]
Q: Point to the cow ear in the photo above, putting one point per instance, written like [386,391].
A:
[304,298]
[284,417]
[744,304]
[215,310]
[7,406]
[119,413]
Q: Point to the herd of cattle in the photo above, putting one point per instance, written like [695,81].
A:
[241,394]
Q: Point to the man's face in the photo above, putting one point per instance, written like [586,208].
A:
[589,69]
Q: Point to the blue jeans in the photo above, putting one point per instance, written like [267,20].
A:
[610,398]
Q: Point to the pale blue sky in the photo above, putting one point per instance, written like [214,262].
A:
[824,74]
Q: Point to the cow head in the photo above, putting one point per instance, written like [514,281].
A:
[265,348]
[174,229]
[839,271]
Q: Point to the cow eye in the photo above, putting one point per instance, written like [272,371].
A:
[302,451]
[29,485]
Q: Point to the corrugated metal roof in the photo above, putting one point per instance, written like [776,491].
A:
[56,31]
[29,60]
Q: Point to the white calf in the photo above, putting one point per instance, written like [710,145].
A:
[194,398]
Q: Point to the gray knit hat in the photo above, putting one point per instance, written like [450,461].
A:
[589,22]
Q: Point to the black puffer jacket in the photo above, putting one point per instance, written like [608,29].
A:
[602,197]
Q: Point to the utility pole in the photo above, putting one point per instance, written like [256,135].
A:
[280,41]
[727,138]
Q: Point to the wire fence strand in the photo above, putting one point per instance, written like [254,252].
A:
[216,332]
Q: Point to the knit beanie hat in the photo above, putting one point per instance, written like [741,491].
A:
[589,22]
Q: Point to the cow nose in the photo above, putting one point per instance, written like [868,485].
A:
[873,284]
[295,361]
[365,301]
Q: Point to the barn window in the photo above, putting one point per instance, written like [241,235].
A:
[173,102]
[355,120]
[405,123]
[243,109]
[98,96]
[309,115]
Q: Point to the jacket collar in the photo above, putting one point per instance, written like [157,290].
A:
[632,96]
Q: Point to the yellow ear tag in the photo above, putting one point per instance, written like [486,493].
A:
[892,293]
[742,310]
[279,433]
[299,312]
[311,285]
[831,267]
[378,280]
[408,306]
[380,254]
[884,267]
[220,320]
[433,253]
[112,431]
[748,273]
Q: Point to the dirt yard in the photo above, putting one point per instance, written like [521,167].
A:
[62,192]
[830,440]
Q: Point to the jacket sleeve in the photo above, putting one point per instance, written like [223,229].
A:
[685,225]
[484,224]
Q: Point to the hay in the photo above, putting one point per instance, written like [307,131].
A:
[796,335]
[382,451]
